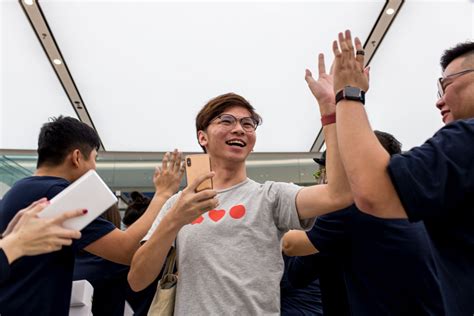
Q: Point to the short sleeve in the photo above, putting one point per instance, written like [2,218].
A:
[433,179]
[283,199]
[330,232]
[92,232]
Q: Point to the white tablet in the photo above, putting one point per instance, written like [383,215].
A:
[88,192]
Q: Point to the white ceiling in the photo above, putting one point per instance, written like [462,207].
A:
[144,69]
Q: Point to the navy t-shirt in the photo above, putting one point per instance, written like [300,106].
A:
[328,271]
[435,183]
[111,287]
[388,265]
[41,285]
[4,266]
[299,301]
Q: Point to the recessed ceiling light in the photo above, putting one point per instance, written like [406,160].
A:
[28,2]
[57,61]
[390,11]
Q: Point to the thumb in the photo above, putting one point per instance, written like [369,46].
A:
[308,76]
[367,72]
[200,179]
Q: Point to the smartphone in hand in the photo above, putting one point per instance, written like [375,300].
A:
[197,165]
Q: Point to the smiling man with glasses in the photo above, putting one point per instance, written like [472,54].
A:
[433,183]
[449,79]
[228,239]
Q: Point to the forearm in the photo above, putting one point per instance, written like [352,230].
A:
[149,258]
[337,182]
[365,160]
[138,230]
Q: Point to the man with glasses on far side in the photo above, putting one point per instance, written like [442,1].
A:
[434,182]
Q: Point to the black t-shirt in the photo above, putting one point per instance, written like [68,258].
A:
[4,266]
[41,285]
[299,301]
[388,266]
[435,183]
[326,269]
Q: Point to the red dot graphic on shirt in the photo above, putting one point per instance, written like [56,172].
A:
[237,211]
[197,220]
[216,215]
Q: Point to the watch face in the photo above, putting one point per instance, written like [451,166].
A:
[352,93]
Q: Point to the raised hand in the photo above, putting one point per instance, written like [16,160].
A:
[190,205]
[168,177]
[348,68]
[323,88]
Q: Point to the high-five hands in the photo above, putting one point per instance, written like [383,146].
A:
[348,68]
[323,88]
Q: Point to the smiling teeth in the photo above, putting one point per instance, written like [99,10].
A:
[235,142]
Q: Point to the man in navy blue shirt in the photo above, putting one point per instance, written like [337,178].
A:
[363,248]
[67,148]
[433,183]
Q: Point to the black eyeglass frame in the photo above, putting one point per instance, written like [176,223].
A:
[240,120]
[441,80]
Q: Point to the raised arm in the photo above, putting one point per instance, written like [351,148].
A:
[365,160]
[166,180]
[320,199]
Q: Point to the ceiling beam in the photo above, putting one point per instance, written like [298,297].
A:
[35,16]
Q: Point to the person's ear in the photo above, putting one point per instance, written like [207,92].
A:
[76,157]
[202,138]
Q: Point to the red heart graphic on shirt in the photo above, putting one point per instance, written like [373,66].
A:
[237,211]
[216,215]
[197,220]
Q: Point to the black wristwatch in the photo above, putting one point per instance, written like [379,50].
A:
[351,93]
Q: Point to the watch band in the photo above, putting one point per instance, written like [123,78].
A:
[351,93]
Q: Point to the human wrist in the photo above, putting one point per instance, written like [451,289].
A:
[163,194]
[328,119]
[174,220]
[12,247]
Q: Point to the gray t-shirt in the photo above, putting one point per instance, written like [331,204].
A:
[230,260]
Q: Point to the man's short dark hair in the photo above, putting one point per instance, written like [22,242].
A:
[63,135]
[461,49]
[389,142]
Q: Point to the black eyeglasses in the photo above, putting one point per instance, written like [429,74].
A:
[249,124]
[442,80]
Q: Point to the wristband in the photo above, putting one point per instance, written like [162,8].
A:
[328,119]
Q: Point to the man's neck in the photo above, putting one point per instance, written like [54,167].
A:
[228,175]
[56,171]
